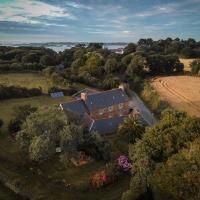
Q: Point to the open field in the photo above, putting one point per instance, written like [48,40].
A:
[28,80]
[186,63]
[6,106]
[182,92]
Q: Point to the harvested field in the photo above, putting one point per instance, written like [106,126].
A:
[182,92]
[186,63]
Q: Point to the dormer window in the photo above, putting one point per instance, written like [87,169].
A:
[101,111]
[121,105]
[110,108]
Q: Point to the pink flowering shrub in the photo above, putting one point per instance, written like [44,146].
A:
[124,163]
[99,179]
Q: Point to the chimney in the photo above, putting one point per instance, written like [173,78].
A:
[84,96]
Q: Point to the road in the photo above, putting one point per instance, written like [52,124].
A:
[146,114]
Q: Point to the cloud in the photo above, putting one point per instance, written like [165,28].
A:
[25,10]
[158,9]
[78,5]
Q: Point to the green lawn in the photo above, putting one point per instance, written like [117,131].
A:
[6,106]
[29,80]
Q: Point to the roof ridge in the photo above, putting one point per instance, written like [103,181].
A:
[104,91]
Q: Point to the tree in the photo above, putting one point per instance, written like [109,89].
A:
[111,65]
[152,153]
[179,177]
[95,45]
[30,58]
[136,67]
[47,60]
[130,48]
[20,115]
[131,129]
[46,128]
[195,67]
[41,148]
[111,81]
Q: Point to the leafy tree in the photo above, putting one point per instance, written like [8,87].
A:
[179,177]
[20,115]
[30,58]
[45,129]
[47,60]
[131,129]
[136,67]
[158,146]
[111,82]
[195,67]
[41,148]
[130,48]
[95,45]
[111,65]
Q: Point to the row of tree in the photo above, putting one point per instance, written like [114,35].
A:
[7,92]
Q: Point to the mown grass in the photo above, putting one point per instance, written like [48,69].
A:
[28,80]
[6,106]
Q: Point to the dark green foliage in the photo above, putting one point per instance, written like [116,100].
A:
[195,67]
[158,160]
[163,64]
[131,130]
[1,123]
[96,146]
[130,48]
[20,115]
[7,92]
[25,58]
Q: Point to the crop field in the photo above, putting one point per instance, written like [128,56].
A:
[182,92]
[186,63]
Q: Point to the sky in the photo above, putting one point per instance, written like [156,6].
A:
[98,20]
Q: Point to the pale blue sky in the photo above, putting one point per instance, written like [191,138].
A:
[98,20]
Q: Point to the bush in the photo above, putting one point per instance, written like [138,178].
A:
[7,92]
[153,100]
[1,123]
[195,67]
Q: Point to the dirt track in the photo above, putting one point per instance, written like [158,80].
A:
[182,92]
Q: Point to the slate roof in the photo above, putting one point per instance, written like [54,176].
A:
[108,125]
[104,99]
[77,106]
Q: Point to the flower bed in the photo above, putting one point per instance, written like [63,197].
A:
[112,172]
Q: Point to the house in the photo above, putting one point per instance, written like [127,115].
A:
[101,111]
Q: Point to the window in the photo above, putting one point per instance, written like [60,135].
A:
[101,111]
[121,105]
[110,108]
